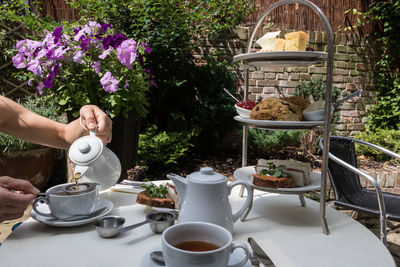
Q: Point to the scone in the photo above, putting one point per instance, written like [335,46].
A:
[277,109]
[298,100]
[296,41]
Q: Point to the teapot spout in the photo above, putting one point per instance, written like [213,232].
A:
[79,171]
[181,186]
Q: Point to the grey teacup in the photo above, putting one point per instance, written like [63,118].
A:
[64,201]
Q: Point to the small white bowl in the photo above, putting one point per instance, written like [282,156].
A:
[318,115]
[245,113]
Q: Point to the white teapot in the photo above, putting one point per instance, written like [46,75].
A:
[94,162]
[203,196]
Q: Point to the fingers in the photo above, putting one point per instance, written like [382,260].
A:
[91,116]
[18,185]
[12,204]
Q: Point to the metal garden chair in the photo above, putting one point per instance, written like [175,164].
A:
[344,176]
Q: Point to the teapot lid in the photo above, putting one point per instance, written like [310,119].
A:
[207,175]
[85,149]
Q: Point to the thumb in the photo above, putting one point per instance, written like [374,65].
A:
[88,118]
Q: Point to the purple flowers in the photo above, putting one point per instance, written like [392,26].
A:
[92,49]
[127,53]
[109,83]
[113,41]
[57,33]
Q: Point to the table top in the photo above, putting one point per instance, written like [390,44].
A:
[289,233]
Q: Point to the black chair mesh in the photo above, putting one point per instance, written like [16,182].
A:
[346,185]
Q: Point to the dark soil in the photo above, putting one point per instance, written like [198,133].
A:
[224,163]
[227,163]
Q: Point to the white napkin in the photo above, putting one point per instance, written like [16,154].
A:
[128,186]
[268,41]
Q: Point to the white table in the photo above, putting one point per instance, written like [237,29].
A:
[290,234]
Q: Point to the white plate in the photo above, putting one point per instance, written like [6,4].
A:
[245,174]
[282,58]
[60,223]
[279,124]
[148,262]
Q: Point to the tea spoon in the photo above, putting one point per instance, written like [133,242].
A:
[229,93]
[157,256]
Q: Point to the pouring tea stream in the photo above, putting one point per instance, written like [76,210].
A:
[203,196]
[93,162]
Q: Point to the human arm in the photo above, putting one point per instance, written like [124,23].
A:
[24,124]
[15,196]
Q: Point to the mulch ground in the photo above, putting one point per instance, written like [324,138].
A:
[227,163]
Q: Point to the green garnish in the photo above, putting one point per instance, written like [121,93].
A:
[153,190]
[272,170]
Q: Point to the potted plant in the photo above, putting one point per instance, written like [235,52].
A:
[24,160]
[91,64]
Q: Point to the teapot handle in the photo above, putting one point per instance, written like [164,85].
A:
[93,133]
[248,201]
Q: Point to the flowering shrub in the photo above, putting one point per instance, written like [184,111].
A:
[88,65]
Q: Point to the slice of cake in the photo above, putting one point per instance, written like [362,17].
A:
[272,176]
[280,45]
[272,181]
[162,196]
[155,201]
[296,41]
[297,170]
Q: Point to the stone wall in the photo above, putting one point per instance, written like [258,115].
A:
[387,177]
[351,72]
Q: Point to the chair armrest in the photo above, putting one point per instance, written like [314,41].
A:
[384,150]
[357,171]
[379,194]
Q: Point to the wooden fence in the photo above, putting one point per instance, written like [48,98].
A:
[293,16]
[301,17]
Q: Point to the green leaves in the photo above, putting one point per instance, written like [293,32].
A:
[386,16]
[266,143]
[315,89]
[272,170]
[163,149]
[389,139]
[153,190]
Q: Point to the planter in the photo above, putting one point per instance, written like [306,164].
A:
[124,143]
[33,165]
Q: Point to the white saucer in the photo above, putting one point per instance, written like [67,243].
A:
[60,223]
[244,174]
[148,262]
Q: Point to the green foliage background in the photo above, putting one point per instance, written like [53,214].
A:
[385,113]
[162,150]
[189,94]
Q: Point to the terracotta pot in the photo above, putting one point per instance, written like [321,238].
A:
[33,165]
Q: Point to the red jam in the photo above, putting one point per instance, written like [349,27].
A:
[246,104]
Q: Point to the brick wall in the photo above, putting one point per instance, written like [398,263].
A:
[351,72]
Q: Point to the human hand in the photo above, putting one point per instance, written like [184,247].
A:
[90,116]
[15,196]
